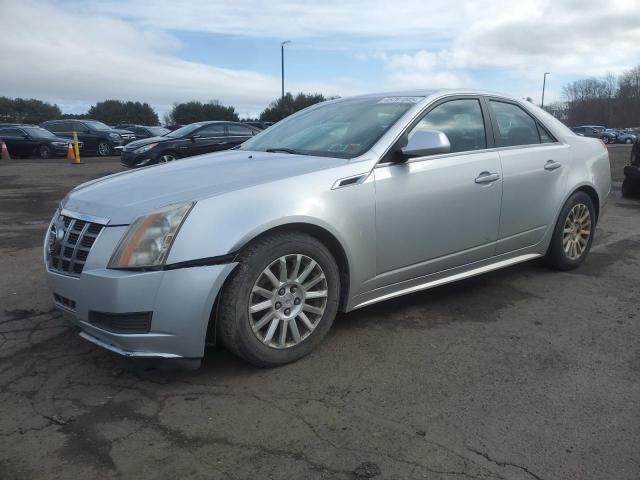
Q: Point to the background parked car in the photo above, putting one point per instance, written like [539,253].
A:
[143,131]
[27,140]
[622,137]
[194,139]
[631,182]
[595,131]
[96,136]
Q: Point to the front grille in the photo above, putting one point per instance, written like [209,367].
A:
[134,322]
[69,255]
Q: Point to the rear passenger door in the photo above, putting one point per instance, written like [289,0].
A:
[534,168]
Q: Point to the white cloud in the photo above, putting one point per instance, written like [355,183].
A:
[54,55]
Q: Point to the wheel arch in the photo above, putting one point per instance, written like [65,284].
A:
[327,238]
[593,194]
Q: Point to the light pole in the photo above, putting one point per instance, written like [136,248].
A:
[544,84]
[282,62]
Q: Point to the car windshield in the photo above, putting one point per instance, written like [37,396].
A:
[97,125]
[343,129]
[38,132]
[184,131]
[158,131]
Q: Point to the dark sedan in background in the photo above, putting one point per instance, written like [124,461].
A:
[96,136]
[27,140]
[143,131]
[595,131]
[194,139]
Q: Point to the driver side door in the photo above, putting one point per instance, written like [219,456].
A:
[441,211]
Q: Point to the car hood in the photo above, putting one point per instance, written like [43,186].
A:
[125,196]
[146,141]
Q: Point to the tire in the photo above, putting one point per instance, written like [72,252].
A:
[168,156]
[240,331]
[44,152]
[605,139]
[104,149]
[560,254]
[630,189]
[628,141]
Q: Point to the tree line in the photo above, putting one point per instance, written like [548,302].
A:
[613,101]
[114,112]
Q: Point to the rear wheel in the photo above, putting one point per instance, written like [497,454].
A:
[280,301]
[573,233]
[104,149]
[44,151]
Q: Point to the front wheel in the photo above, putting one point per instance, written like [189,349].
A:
[573,233]
[167,157]
[628,141]
[105,149]
[280,301]
[605,139]
[44,151]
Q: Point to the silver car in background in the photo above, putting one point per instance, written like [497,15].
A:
[342,205]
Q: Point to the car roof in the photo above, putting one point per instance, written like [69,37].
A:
[436,92]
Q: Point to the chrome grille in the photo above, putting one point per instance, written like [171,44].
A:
[72,252]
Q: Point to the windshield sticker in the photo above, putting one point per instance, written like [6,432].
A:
[400,100]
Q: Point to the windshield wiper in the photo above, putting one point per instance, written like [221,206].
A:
[284,150]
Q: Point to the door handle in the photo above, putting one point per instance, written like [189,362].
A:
[487,177]
[552,165]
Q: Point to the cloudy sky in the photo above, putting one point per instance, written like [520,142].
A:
[75,53]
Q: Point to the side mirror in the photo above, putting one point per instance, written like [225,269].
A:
[426,142]
[195,137]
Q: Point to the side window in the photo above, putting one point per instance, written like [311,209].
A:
[460,120]
[57,127]
[79,127]
[11,132]
[239,130]
[213,130]
[545,136]
[515,126]
[578,129]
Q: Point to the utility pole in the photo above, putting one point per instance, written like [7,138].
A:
[544,84]
[282,62]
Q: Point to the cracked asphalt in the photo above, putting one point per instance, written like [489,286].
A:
[522,373]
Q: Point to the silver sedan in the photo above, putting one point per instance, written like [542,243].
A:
[342,205]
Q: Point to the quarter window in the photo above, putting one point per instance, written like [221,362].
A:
[515,126]
[460,120]
[239,130]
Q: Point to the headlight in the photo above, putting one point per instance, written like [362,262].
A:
[60,144]
[149,239]
[114,136]
[146,148]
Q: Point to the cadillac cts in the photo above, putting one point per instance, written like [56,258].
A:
[342,205]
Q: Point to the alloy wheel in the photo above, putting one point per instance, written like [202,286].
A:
[288,301]
[44,152]
[577,230]
[104,149]
[166,158]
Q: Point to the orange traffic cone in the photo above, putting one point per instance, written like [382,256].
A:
[5,152]
[70,155]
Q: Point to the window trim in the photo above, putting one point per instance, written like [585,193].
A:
[486,119]
[222,135]
[536,121]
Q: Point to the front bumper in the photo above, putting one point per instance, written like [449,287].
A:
[180,302]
